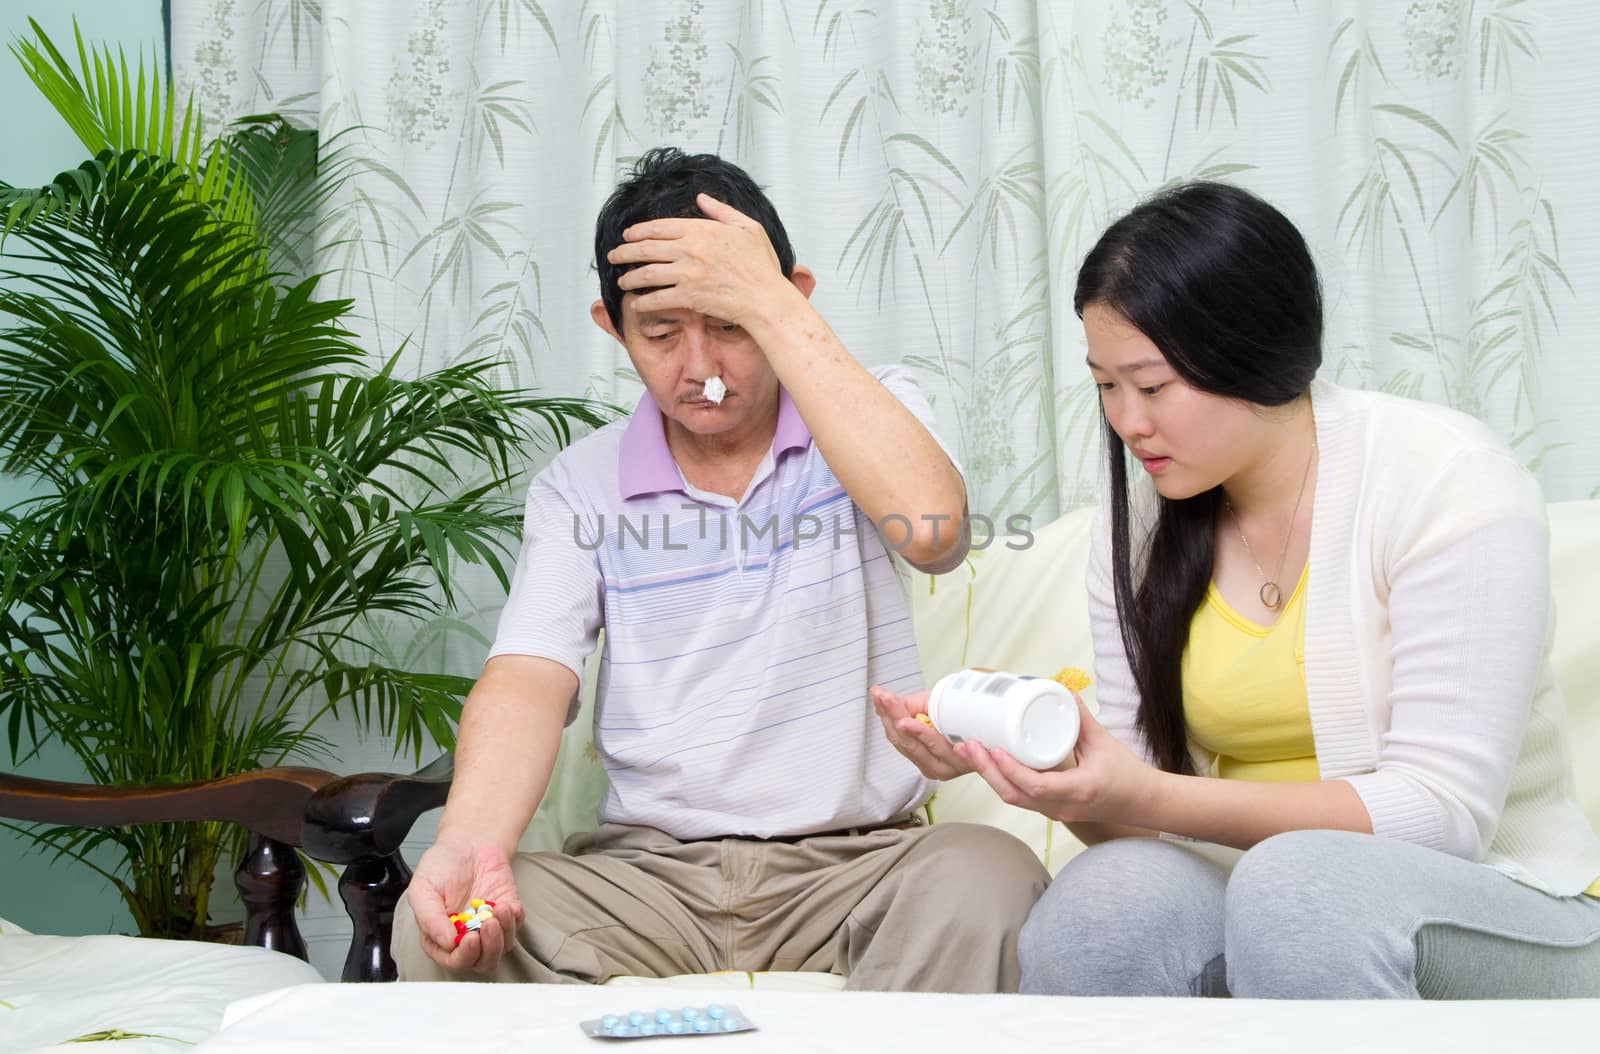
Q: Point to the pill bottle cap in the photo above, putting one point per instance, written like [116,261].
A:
[1045,727]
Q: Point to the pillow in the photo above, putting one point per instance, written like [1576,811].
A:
[146,993]
[1575,584]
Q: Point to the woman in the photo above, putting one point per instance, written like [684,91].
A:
[1319,615]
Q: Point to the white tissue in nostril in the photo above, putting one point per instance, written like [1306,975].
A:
[715,390]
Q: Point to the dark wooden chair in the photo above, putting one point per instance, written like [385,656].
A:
[358,821]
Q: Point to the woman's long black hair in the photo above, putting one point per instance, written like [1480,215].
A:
[1223,284]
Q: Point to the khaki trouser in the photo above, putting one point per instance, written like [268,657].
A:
[902,907]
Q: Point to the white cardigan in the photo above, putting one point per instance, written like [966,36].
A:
[1427,640]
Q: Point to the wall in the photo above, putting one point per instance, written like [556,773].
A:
[36,892]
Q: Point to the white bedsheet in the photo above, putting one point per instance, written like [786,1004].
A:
[544,1018]
[163,995]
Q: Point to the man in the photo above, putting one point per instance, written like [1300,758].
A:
[757,817]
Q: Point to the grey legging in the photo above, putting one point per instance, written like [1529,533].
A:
[1305,915]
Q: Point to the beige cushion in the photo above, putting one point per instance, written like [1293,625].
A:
[1575,580]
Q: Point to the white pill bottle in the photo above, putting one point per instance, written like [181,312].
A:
[1034,719]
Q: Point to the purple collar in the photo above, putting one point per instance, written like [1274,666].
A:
[646,465]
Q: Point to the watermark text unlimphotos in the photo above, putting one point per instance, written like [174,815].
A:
[896,530]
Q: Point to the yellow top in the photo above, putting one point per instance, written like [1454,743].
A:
[1244,693]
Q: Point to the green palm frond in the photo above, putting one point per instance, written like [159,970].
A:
[112,105]
[292,179]
[108,104]
[196,426]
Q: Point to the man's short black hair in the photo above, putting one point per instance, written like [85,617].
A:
[663,185]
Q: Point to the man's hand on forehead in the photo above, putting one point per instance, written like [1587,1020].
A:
[723,266]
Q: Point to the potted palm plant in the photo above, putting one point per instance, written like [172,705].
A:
[226,493]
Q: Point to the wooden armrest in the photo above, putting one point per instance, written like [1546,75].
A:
[268,802]
[370,814]
[358,821]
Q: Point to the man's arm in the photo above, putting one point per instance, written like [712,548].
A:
[511,724]
[506,748]
[505,751]
[885,458]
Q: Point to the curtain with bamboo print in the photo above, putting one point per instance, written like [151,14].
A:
[944,164]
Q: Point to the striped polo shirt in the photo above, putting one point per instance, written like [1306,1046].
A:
[740,636]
